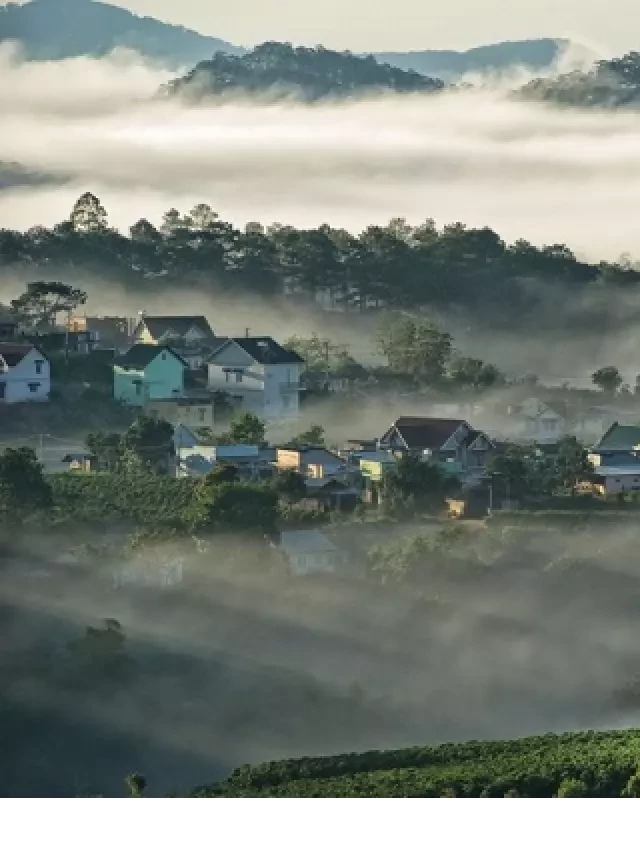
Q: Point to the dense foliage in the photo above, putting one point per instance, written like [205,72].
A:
[398,265]
[590,764]
[312,73]
[611,83]
[154,501]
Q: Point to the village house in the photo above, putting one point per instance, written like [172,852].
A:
[259,376]
[317,465]
[105,333]
[536,421]
[310,552]
[453,444]
[148,372]
[616,461]
[191,337]
[25,374]
[81,462]
[197,460]
[195,411]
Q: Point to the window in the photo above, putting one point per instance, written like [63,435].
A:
[226,376]
[201,414]
[138,387]
[39,362]
[33,387]
[3,390]
[238,376]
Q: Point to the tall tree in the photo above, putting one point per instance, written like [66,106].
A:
[151,439]
[608,379]
[23,486]
[42,301]
[88,215]
[247,428]
[416,348]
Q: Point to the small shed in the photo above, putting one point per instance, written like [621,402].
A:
[309,552]
[81,462]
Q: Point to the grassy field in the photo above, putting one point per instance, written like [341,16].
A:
[587,764]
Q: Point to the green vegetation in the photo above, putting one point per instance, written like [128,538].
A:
[467,271]
[611,83]
[312,73]
[586,764]
[157,502]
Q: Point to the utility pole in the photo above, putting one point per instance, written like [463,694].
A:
[66,337]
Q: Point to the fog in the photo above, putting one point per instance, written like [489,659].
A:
[526,170]
[240,662]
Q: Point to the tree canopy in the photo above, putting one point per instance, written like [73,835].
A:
[312,73]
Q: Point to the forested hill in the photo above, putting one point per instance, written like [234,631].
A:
[587,764]
[59,29]
[311,73]
[399,265]
[611,83]
[534,54]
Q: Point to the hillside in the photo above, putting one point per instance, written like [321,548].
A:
[59,29]
[611,83]
[536,55]
[312,73]
[588,764]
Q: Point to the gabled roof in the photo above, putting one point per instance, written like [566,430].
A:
[263,351]
[140,356]
[180,324]
[14,353]
[619,437]
[306,542]
[315,455]
[428,433]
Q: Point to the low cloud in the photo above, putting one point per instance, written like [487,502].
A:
[527,170]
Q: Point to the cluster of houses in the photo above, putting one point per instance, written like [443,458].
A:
[177,368]
[170,366]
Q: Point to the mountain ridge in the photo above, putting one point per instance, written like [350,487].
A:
[64,29]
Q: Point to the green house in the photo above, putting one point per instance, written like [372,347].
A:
[148,372]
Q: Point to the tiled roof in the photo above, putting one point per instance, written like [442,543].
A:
[159,326]
[14,353]
[619,438]
[428,433]
[265,351]
[140,356]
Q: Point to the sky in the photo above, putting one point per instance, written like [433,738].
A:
[361,25]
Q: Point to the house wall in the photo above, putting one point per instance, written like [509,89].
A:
[24,384]
[287,458]
[267,390]
[162,378]
[306,564]
[622,483]
[191,414]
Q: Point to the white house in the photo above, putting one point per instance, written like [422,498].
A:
[534,420]
[259,375]
[25,374]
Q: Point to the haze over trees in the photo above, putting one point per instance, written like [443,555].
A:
[611,83]
[399,265]
[312,73]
